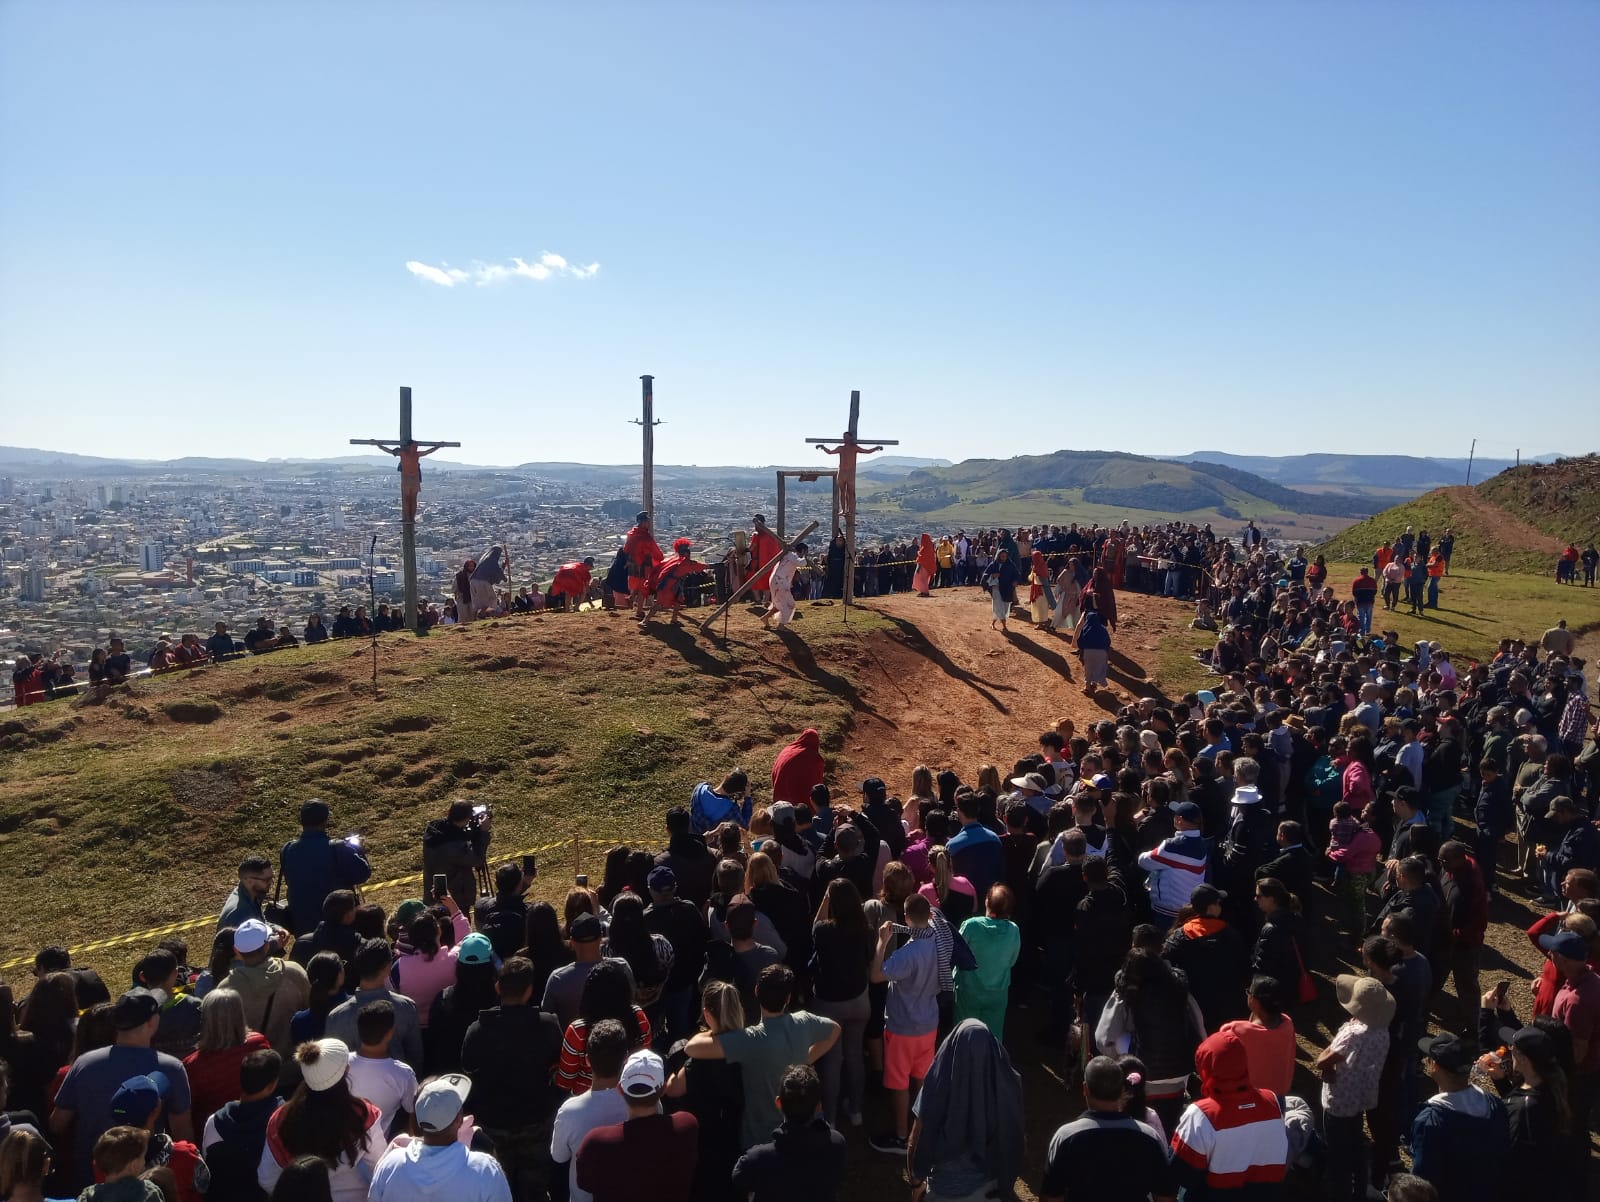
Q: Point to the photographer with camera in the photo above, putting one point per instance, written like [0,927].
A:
[456,847]
[313,865]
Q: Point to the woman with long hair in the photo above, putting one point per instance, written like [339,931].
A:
[841,968]
[325,971]
[1135,1103]
[213,1067]
[951,892]
[1538,1108]
[888,906]
[20,1052]
[1277,953]
[456,1009]
[423,972]
[988,778]
[50,1015]
[24,1165]
[607,993]
[322,1118]
[614,875]
[784,905]
[648,955]
[713,1091]
[544,944]
[921,791]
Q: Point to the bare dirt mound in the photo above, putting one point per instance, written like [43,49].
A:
[1503,527]
[939,687]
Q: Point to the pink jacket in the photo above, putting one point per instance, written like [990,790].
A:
[1361,857]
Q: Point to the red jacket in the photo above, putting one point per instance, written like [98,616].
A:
[763,546]
[572,580]
[1549,982]
[798,769]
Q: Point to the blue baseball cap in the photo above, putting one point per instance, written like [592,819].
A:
[1566,943]
[475,949]
[137,1097]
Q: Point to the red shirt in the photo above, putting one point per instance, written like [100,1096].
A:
[214,1077]
[1578,1009]
[1269,1053]
[649,1157]
[1364,588]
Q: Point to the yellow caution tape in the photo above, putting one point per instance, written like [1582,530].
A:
[156,934]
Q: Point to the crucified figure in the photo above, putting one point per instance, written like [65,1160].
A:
[410,455]
[847,450]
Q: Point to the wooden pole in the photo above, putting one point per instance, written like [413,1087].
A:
[781,490]
[649,425]
[766,567]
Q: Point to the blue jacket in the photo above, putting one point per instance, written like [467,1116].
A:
[1459,1143]
[313,866]
[1093,635]
[708,809]
[976,854]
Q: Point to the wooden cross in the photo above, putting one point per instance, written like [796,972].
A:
[409,451]
[848,449]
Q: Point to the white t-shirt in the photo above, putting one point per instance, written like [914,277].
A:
[577,1117]
[388,1084]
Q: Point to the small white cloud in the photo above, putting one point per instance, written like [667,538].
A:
[432,274]
[548,265]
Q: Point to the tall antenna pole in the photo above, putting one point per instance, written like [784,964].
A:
[1470,455]
[649,424]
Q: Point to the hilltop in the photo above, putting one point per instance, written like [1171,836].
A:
[1518,521]
[572,725]
[1095,486]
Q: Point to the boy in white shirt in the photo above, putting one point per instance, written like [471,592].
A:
[388,1084]
[602,1106]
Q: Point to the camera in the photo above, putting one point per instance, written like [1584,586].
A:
[356,841]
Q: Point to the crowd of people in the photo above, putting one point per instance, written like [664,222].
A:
[1146,904]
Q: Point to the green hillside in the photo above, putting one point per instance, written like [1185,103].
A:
[1562,498]
[1084,485]
[1488,538]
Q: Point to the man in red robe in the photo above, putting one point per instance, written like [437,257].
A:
[665,583]
[643,553]
[571,584]
[798,769]
[764,545]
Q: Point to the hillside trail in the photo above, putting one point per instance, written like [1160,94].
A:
[1504,528]
[942,688]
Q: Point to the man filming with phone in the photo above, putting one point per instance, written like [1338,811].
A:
[456,847]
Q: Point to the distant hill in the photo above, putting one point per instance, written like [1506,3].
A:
[1408,472]
[1085,485]
[1518,521]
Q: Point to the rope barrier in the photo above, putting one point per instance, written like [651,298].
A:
[156,934]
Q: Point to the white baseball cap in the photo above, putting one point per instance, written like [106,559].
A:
[643,1075]
[251,936]
[441,1100]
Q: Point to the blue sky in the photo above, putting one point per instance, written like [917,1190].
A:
[1259,227]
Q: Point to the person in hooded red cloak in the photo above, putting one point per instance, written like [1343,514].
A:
[798,769]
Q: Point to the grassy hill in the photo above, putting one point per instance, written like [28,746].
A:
[1092,486]
[572,727]
[1517,521]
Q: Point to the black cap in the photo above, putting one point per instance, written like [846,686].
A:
[1532,1042]
[137,1007]
[585,928]
[641,517]
[874,789]
[1447,1052]
[314,813]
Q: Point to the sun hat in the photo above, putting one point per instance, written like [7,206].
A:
[1365,999]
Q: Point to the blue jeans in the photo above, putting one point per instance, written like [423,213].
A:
[1364,617]
[1433,592]
[1441,810]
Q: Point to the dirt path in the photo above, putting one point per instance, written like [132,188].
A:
[946,690]
[1506,529]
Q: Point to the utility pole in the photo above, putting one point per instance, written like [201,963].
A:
[649,423]
[1470,455]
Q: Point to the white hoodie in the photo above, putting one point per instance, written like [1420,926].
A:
[411,1171]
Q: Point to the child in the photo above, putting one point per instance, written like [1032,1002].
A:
[388,1084]
[1354,848]
[141,1102]
[119,1157]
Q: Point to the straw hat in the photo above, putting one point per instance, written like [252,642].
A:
[1365,998]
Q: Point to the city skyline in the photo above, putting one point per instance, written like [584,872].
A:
[235,230]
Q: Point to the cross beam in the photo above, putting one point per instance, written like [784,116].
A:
[409,451]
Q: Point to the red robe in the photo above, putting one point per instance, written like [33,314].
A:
[643,553]
[572,580]
[763,546]
[798,769]
[666,577]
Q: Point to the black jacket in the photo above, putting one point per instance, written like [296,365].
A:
[456,852]
[804,1163]
[1293,867]
[233,1161]
[1277,953]
[338,937]
[503,920]
[510,1054]
[791,916]
[1101,935]
[684,925]
[693,864]
[1215,962]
